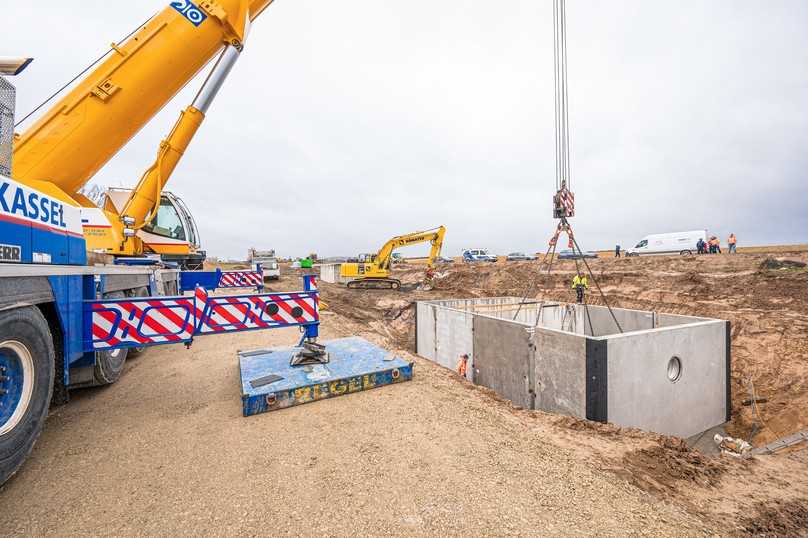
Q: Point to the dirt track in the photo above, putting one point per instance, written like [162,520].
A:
[166,452]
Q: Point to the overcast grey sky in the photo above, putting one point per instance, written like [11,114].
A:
[348,122]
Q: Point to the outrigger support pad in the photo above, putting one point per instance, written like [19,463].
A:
[310,353]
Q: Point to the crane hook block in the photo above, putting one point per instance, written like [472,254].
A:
[563,204]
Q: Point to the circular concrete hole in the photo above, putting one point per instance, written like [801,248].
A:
[674,369]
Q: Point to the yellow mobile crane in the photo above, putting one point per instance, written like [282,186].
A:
[373,272]
[62,150]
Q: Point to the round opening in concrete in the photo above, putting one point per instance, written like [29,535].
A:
[674,369]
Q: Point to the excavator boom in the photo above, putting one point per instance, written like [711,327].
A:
[435,236]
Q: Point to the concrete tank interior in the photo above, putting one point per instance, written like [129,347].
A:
[658,372]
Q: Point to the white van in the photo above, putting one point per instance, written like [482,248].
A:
[683,243]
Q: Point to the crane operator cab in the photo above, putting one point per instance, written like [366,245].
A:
[172,233]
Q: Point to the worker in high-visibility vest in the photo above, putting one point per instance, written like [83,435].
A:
[732,241]
[463,364]
[580,283]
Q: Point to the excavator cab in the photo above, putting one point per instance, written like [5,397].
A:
[366,258]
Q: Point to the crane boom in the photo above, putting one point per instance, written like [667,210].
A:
[93,121]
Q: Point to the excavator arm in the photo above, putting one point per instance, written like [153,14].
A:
[384,256]
[375,273]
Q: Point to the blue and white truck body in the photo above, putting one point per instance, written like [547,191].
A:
[45,230]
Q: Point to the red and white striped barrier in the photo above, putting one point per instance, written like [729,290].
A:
[142,322]
[241,279]
[255,312]
[120,323]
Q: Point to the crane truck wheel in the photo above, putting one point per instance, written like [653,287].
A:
[27,363]
[109,364]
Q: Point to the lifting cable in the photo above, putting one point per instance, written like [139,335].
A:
[74,79]
[561,96]
[564,201]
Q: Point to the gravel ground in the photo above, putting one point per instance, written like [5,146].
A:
[166,452]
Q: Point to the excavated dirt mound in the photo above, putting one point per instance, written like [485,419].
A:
[779,518]
[772,263]
[671,464]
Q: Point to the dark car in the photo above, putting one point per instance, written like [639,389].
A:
[575,255]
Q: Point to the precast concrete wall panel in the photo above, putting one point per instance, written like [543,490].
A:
[560,372]
[425,342]
[671,320]
[329,272]
[560,317]
[556,365]
[454,337]
[642,394]
[603,324]
[503,359]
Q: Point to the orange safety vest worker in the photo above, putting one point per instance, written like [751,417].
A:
[732,239]
[463,365]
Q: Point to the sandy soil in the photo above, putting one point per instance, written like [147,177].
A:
[166,452]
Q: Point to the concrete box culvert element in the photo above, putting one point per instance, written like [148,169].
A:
[329,272]
[664,373]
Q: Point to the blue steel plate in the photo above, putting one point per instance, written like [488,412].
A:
[355,365]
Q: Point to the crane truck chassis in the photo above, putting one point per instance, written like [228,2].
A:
[70,326]
[65,324]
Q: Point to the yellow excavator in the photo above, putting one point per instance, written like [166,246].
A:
[372,271]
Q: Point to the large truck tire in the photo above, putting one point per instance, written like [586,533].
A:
[27,366]
[109,364]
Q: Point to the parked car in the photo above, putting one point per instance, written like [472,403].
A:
[441,259]
[683,243]
[471,255]
[575,255]
[519,257]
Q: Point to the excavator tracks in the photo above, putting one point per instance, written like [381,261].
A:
[375,284]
